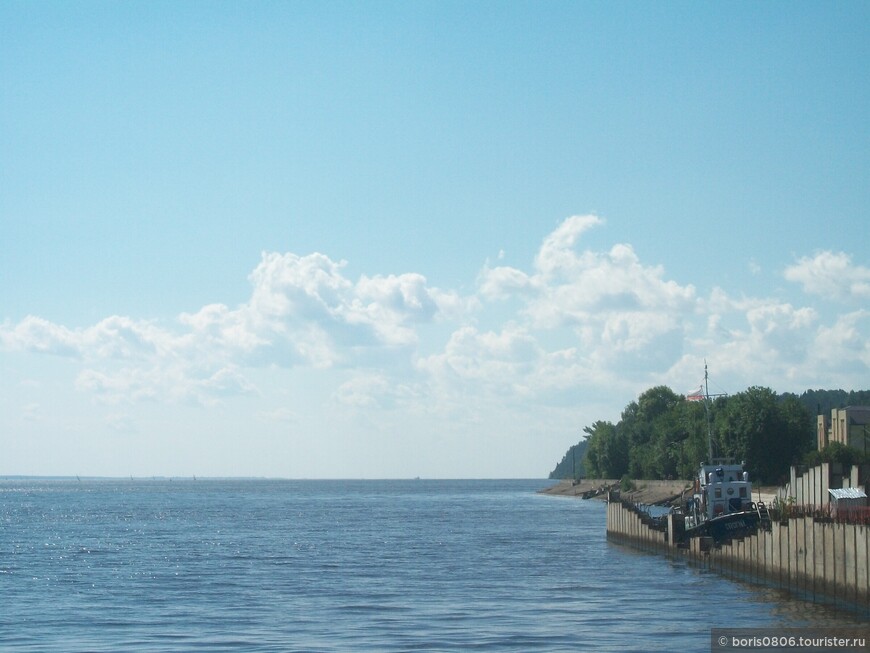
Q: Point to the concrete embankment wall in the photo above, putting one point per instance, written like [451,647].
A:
[823,561]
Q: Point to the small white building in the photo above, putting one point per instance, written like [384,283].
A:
[843,499]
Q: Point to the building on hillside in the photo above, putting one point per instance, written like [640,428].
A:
[849,426]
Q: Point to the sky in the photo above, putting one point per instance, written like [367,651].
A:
[398,239]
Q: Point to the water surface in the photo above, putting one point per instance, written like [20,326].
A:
[250,565]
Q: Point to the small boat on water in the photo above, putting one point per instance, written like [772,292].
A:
[721,505]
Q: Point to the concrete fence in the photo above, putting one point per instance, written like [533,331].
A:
[810,485]
[820,560]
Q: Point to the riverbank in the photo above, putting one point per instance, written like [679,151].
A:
[645,492]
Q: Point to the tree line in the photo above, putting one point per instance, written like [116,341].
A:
[661,435]
[571,465]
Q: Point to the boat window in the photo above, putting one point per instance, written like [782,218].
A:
[743,492]
[718,492]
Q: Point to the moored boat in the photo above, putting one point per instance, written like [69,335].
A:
[721,505]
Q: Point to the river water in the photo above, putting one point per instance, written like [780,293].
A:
[417,565]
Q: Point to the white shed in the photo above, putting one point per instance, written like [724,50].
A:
[848,497]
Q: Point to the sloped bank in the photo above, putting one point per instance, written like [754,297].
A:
[646,492]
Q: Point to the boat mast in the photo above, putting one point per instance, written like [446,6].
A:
[707,410]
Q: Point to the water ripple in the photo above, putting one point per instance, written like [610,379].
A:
[347,566]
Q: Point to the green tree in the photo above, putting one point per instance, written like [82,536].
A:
[571,465]
[753,426]
[800,427]
[836,452]
[651,426]
[662,435]
[693,423]
[606,452]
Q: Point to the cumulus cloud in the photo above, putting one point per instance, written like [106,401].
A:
[503,282]
[774,343]
[617,308]
[570,287]
[113,337]
[845,342]
[302,311]
[495,358]
[574,322]
[556,254]
[831,274]
[35,334]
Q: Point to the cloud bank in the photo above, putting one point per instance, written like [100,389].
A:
[576,325]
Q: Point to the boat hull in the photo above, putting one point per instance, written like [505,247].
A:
[725,527]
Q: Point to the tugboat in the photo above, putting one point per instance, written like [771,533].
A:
[721,506]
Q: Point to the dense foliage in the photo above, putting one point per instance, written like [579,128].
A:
[837,452]
[821,402]
[571,465]
[662,435]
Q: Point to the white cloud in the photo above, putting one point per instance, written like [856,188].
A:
[621,312]
[113,337]
[122,338]
[831,274]
[594,283]
[557,251]
[37,335]
[496,359]
[764,341]
[503,282]
[216,326]
[576,323]
[391,306]
[302,311]
[845,343]
[609,298]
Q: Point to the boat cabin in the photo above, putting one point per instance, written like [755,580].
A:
[721,488]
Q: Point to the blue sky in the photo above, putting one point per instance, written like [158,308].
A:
[381,239]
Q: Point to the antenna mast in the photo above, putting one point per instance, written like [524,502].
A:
[707,410]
